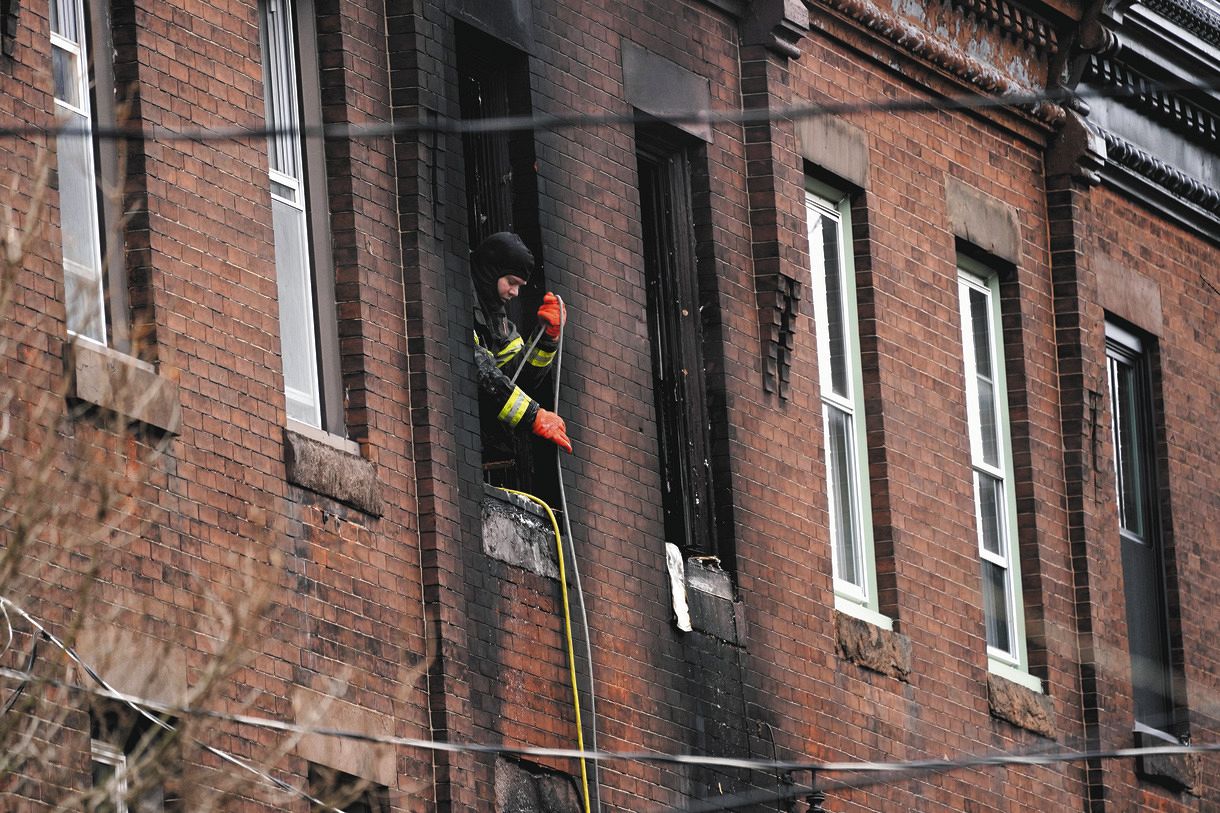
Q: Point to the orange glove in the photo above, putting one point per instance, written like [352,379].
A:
[550,426]
[554,315]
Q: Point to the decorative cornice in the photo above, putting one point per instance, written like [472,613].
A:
[1013,21]
[945,56]
[1145,164]
[1158,103]
[779,25]
[1194,17]
[1078,150]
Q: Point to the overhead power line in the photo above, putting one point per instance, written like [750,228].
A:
[432,123]
[865,768]
[144,708]
[858,773]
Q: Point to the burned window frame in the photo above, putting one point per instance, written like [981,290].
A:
[666,160]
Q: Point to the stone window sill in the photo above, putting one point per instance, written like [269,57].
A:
[873,646]
[123,385]
[518,532]
[1020,705]
[708,589]
[331,466]
[1178,772]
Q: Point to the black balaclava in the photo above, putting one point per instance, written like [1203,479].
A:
[500,254]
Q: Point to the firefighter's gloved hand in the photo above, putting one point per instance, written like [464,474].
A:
[550,426]
[554,315]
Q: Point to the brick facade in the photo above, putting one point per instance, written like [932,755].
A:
[363,566]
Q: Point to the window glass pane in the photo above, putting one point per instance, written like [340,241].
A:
[1129,465]
[841,471]
[65,17]
[77,199]
[988,426]
[980,326]
[991,513]
[835,320]
[67,80]
[995,606]
[279,67]
[288,193]
[980,333]
[78,222]
[297,336]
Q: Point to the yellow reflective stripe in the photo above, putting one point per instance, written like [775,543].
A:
[476,338]
[515,407]
[506,353]
[542,358]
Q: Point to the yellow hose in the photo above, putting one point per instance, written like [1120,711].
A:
[567,628]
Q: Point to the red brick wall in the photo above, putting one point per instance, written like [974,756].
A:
[220,522]
[1119,240]
[353,596]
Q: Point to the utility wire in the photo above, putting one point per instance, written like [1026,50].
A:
[878,771]
[554,122]
[888,773]
[152,708]
[142,706]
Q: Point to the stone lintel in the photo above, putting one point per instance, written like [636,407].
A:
[835,146]
[983,221]
[375,762]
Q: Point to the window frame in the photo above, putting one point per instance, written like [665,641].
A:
[339,790]
[113,757]
[973,276]
[858,598]
[1128,347]
[319,340]
[106,320]
[501,194]
[119,735]
[664,159]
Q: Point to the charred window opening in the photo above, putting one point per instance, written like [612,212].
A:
[343,791]
[502,195]
[134,760]
[665,161]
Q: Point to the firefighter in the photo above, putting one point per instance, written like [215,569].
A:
[499,268]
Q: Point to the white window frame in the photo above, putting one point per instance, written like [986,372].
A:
[103,753]
[86,311]
[304,258]
[298,342]
[1011,663]
[858,597]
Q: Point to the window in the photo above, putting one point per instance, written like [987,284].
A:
[838,342]
[304,264]
[345,792]
[1133,429]
[502,195]
[130,760]
[674,328]
[501,190]
[991,456]
[87,170]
